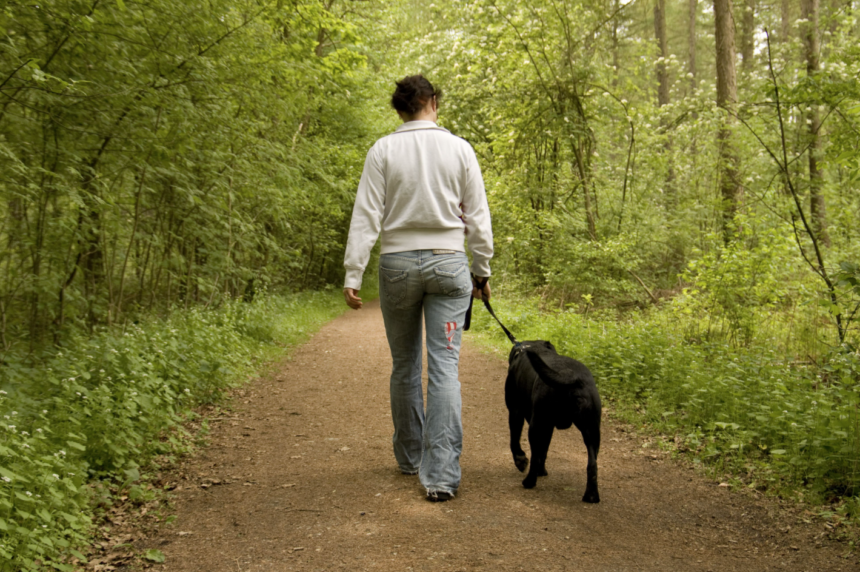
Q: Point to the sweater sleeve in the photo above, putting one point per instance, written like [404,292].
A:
[476,215]
[366,219]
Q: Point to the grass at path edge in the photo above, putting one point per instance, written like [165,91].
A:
[80,426]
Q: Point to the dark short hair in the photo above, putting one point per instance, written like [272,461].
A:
[412,94]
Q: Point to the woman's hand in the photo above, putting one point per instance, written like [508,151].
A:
[481,293]
[352,300]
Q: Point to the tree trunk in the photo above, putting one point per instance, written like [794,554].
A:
[92,255]
[38,246]
[692,13]
[615,43]
[91,245]
[748,35]
[810,10]
[663,91]
[14,253]
[660,36]
[785,21]
[836,8]
[691,44]
[727,98]
[582,168]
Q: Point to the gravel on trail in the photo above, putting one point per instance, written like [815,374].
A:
[302,477]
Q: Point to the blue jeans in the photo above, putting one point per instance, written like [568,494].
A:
[439,286]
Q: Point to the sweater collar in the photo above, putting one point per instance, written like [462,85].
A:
[415,125]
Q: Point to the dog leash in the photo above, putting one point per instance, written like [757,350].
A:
[479,284]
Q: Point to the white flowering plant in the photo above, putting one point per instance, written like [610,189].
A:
[99,413]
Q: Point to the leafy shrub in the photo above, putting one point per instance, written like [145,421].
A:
[595,268]
[737,285]
[95,409]
[43,503]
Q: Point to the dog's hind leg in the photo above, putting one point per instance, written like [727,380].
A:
[592,444]
[516,421]
[540,435]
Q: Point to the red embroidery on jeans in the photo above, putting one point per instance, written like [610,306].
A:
[450,330]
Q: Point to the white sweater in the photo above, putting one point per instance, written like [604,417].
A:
[422,187]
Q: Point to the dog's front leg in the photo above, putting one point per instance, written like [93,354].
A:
[540,434]
[516,421]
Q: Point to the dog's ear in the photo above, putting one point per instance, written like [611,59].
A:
[549,366]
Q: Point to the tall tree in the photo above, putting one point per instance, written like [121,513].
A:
[663,88]
[811,11]
[692,6]
[748,34]
[662,46]
[727,98]
[616,17]
[785,20]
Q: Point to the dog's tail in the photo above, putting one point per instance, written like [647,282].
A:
[556,370]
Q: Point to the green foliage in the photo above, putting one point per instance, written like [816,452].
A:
[43,500]
[592,184]
[163,154]
[97,408]
[560,132]
[739,285]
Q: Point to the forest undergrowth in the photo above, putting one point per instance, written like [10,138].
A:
[753,414]
[85,419]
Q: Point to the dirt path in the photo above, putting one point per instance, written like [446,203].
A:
[306,481]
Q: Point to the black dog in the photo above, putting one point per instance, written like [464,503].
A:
[551,391]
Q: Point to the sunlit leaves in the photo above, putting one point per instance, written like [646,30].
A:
[173,152]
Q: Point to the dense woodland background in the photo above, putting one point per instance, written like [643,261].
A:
[680,175]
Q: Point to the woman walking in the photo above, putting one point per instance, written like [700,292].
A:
[422,189]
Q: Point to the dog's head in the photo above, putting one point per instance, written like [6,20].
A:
[555,370]
[531,345]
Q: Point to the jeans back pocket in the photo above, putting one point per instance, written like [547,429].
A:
[454,279]
[393,284]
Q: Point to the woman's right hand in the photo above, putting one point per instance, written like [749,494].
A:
[481,293]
